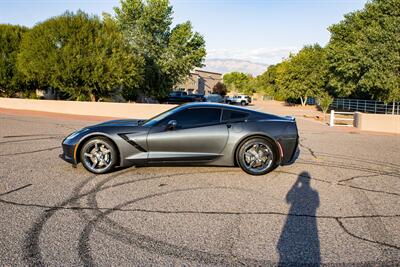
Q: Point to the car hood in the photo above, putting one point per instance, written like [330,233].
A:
[116,123]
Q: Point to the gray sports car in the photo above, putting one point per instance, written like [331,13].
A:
[194,133]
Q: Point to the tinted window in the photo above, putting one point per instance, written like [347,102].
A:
[232,115]
[159,117]
[197,116]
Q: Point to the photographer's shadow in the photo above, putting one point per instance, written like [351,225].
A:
[299,241]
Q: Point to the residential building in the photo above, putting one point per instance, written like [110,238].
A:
[200,82]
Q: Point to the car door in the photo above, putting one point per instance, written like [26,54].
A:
[199,135]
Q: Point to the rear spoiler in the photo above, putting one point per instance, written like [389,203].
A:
[291,118]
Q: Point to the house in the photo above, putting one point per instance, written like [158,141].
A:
[199,82]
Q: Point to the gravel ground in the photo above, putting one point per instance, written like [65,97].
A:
[338,204]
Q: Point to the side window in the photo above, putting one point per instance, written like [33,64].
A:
[234,116]
[193,117]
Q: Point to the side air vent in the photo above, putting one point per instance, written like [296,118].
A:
[131,142]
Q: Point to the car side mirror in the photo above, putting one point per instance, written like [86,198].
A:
[172,125]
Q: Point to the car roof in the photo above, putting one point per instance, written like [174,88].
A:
[217,105]
[231,107]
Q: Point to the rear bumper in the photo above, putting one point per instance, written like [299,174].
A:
[291,150]
[294,157]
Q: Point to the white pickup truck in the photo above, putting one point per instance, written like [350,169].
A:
[239,99]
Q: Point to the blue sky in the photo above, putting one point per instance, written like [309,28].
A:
[256,30]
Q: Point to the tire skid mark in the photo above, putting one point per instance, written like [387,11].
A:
[341,184]
[31,139]
[86,234]
[148,243]
[32,251]
[152,245]
[363,160]
[66,126]
[30,135]
[347,167]
[30,152]
[160,247]
[33,205]
[15,190]
[370,190]
[145,242]
[189,212]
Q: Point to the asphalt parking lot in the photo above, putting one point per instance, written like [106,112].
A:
[338,204]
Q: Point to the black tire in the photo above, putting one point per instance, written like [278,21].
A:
[243,103]
[99,155]
[228,102]
[266,150]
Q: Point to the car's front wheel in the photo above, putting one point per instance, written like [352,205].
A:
[257,156]
[98,155]
[243,103]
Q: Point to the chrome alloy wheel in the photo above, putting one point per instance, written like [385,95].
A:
[97,156]
[258,157]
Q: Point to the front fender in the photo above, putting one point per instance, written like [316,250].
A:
[71,146]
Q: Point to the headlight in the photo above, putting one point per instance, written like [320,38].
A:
[75,134]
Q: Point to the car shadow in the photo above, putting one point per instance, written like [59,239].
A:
[299,241]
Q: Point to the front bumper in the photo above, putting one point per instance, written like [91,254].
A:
[69,154]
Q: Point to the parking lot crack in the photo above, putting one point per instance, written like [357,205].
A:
[375,227]
[340,222]
[309,150]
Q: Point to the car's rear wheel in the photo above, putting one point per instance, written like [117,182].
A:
[243,103]
[257,156]
[98,155]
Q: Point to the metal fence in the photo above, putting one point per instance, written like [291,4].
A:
[366,106]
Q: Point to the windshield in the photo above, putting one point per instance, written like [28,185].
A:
[152,121]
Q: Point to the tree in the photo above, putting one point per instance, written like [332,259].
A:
[325,100]
[266,83]
[11,80]
[78,54]
[304,74]
[220,88]
[364,52]
[169,54]
[237,81]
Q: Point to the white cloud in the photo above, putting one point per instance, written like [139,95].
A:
[261,55]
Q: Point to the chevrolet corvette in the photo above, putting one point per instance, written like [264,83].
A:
[190,134]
